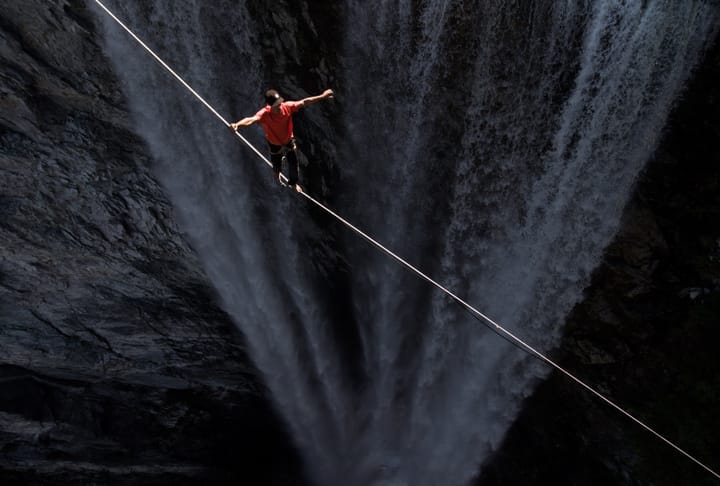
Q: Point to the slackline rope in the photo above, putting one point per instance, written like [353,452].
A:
[497,327]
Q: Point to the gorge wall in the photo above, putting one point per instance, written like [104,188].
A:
[644,333]
[117,364]
[120,366]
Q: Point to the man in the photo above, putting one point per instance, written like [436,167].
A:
[276,120]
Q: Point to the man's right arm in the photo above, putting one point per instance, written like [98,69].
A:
[245,122]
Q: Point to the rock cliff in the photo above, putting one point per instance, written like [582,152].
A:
[119,367]
[645,333]
[117,364]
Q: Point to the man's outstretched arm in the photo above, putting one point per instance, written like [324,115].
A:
[328,93]
[245,122]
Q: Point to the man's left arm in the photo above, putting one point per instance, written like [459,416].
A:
[328,93]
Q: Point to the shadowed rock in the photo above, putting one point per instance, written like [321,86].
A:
[117,364]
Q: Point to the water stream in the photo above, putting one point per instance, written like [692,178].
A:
[494,147]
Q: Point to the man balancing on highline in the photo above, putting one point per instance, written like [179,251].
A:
[276,120]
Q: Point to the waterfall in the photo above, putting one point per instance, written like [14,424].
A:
[524,125]
[243,226]
[493,146]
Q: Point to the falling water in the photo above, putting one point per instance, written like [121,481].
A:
[242,226]
[524,125]
[494,146]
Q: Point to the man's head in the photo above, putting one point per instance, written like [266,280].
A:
[272,97]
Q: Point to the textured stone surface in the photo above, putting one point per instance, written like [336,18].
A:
[645,335]
[118,367]
[117,364]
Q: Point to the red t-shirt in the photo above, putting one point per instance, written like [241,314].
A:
[278,127]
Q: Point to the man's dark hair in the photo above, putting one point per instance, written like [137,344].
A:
[271,96]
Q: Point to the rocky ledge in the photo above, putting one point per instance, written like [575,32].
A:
[118,365]
[646,333]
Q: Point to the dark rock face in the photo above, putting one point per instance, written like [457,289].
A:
[645,335]
[117,364]
[119,367]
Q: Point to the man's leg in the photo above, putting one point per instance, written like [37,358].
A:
[276,159]
[292,168]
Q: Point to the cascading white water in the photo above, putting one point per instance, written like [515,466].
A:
[525,124]
[561,106]
[242,225]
